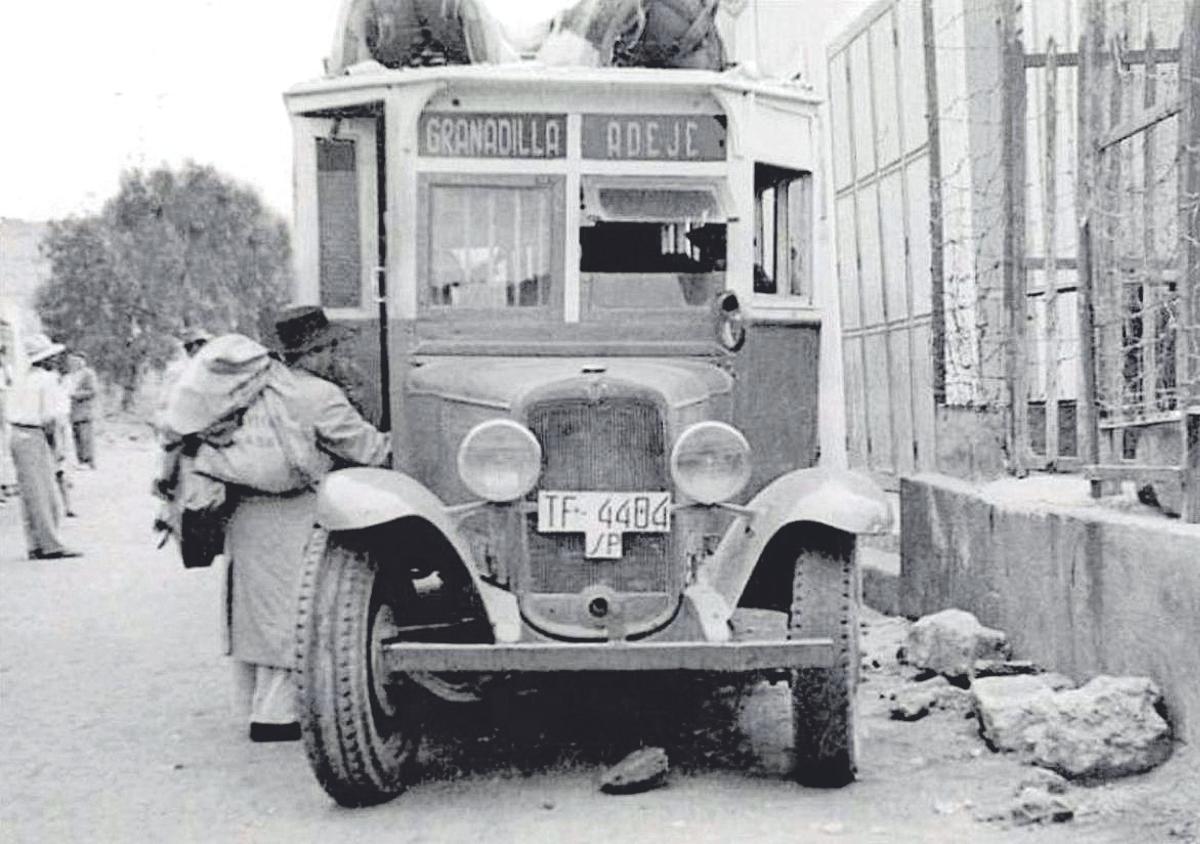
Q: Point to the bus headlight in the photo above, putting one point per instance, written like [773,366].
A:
[499,460]
[711,462]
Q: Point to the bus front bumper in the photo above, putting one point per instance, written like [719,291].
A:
[403,657]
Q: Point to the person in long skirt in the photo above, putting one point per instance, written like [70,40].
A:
[266,533]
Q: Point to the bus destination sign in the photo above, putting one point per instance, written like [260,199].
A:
[658,137]
[493,135]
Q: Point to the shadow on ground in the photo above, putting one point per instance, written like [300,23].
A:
[522,726]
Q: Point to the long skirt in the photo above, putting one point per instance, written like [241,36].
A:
[264,546]
[39,494]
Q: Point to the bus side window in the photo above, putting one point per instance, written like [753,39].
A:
[339,223]
[783,224]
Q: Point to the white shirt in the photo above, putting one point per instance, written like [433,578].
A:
[35,398]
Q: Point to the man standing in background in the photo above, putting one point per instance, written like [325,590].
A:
[8,475]
[34,410]
[81,384]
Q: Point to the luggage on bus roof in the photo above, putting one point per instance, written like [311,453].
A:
[595,33]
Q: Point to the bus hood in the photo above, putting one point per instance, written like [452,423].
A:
[507,383]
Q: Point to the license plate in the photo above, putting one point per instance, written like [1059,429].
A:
[604,517]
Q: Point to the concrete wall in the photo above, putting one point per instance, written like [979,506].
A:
[1079,588]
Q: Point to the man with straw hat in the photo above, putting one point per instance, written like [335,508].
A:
[33,409]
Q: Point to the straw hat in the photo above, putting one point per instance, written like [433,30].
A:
[39,347]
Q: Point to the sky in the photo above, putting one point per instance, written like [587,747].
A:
[92,88]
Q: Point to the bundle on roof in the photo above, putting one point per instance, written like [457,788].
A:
[587,33]
[415,33]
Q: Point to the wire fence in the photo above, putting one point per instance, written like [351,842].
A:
[1058,291]
[1100,162]
[1142,213]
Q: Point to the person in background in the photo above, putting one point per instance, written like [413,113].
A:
[266,533]
[193,340]
[8,475]
[34,411]
[62,444]
[82,385]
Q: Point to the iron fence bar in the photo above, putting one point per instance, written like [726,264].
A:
[1015,281]
[1049,238]
[937,275]
[1150,290]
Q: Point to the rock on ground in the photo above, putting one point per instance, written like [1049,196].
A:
[949,642]
[1036,805]
[1005,668]
[913,702]
[1007,706]
[641,770]
[1045,780]
[1110,727]
[1032,804]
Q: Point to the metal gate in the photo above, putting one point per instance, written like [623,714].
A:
[1140,197]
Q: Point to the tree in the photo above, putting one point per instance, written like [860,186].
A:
[173,249]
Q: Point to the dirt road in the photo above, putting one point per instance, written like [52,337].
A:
[116,724]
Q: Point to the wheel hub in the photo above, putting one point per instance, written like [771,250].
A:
[383,628]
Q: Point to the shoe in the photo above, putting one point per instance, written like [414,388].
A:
[61,554]
[274,732]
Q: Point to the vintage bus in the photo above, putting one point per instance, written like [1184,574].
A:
[582,298]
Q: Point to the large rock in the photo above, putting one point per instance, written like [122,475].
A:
[949,642]
[1008,707]
[1110,727]
[641,770]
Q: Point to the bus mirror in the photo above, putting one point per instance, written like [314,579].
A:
[730,325]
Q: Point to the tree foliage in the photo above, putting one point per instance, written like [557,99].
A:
[173,249]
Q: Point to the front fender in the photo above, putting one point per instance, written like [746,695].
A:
[361,498]
[840,499]
[353,499]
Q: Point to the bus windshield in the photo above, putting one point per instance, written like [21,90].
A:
[490,246]
[651,246]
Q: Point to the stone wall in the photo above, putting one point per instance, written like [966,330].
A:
[1080,588]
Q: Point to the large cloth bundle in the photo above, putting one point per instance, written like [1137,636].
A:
[407,33]
[583,33]
[227,421]
[232,398]
[636,33]
[223,378]
[267,451]
[677,34]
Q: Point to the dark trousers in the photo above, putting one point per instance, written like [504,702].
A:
[85,444]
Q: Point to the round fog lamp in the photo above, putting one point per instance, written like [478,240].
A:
[499,460]
[711,462]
